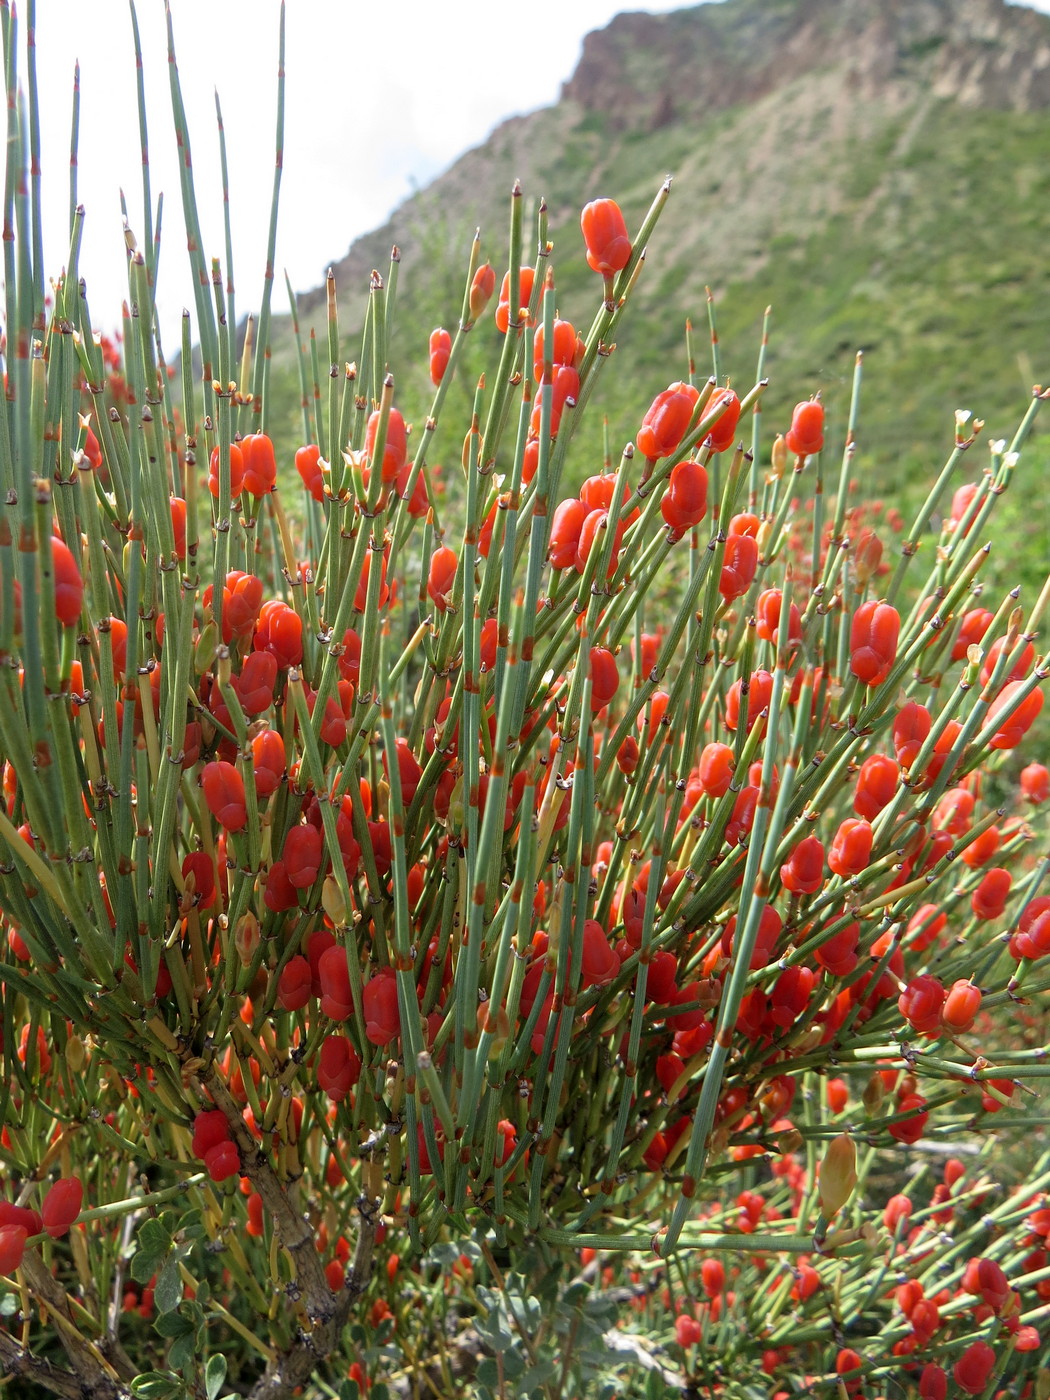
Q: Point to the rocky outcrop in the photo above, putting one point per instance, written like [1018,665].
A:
[979,52]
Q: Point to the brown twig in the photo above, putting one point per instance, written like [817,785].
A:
[326,1311]
[92,1376]
[17,1361]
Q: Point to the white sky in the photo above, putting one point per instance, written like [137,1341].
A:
[379,100]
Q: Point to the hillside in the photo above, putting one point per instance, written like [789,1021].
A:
[874,169]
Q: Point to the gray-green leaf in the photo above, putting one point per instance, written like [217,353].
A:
[152,1244]
[214,1375]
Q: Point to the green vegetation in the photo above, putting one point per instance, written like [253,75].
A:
[468,930]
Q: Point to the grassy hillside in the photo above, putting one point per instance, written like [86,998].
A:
[878,211]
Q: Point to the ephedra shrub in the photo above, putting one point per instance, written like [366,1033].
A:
[467,933]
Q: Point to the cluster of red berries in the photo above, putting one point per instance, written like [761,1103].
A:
[214,1146]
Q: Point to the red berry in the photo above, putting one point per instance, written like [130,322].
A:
[601,963]
[687,1331]
[198,874]
[712,1277]
[566,525]
[684,504]
[526,280]
[254,1226]
[973,1368]
[961,1006]
[910,1129]
[254,685]
[489,644]
[236,471]
[1035,783]
[209,1129]
[759,694]
[334,976]
[69,586]
[849,1363]
[715,769]
[178,524]
[666,421]
[660,980]
[838,1095]
[12,1247]
[442,576]
[806,434]
[280,632]
[382,1015]
[303,855]
[242,597]
[989,898]
[295,986]
[876,785]
[768,609]
[395,448]
[62,1206]
[605,677]
[910,729]
[1020,668]
[874,631]
[339,1068]
[851,849]
[308,465]
[222,1161]
[722,433]
[974,625]
[592,533]
[803,871]
[268,762]
[565,347]
[224,794]
[1013,728]
[30,1220]
[898,1208]
[260,464]
[738,566]
[440,353]
[1032,939]
[791,995]
[92,450]
[838,954]
[921,1003]
[985,1278]
[606,238]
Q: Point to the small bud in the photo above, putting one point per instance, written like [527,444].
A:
[778,457]
[497,1025]
[246,938]
[790,1142]
[204,654]
[76,1054]
[332,901]
[867,556]
[874,1093]
[838,1175]
[481,290]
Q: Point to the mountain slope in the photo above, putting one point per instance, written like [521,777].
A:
[875,169]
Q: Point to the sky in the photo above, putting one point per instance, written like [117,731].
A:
[379,100]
